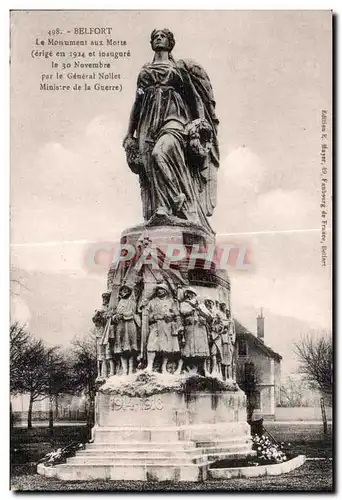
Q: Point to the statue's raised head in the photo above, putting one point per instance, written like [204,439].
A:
[209,303]
[162,40]
[105,298]
[125,290]
[190,293]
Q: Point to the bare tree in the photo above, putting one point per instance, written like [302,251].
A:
[293,393]
[19,340]
[34,379]
[16,282]
[84,370]
[35,369]
[315,355]
[58,380]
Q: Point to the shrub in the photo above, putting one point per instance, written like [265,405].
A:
[60,455]
[268,451]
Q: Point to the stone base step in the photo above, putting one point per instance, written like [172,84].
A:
[158,456]
[136,461]
[224,442]
[213,457]
[117,454]
[119,449]
[112,435]
[156,460]
[156,453]
[141,445]
[238,448]
[145,445]
[217,432]
[117,472]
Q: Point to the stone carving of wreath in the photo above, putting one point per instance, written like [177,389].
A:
[133,155]
[200,137]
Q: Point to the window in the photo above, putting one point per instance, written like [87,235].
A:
[242,347]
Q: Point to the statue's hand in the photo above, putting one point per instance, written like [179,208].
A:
[128,137]
[117,318]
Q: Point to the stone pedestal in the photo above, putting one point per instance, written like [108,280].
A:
[203,275]
[154,427]
[165,436]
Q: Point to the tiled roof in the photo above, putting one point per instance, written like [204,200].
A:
[241,331]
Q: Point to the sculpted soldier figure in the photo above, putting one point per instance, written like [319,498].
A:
[214,326]
[107,342]
[164,326]
[171,142]
[195,317]
[228,341]
[100,320]
[232,337]
[126,323]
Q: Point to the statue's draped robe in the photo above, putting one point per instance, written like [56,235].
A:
[170,96]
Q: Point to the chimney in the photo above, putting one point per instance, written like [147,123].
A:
[260,326]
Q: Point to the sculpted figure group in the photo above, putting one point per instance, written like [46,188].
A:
[165,333]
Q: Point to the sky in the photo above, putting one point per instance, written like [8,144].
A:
[71,187]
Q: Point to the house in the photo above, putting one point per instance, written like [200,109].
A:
[252,349]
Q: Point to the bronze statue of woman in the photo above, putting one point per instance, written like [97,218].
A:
[172,136]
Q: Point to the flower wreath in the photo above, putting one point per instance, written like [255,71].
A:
[200,137]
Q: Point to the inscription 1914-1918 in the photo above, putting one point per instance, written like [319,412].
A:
[123,403]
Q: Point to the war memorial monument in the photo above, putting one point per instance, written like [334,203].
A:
[167,403]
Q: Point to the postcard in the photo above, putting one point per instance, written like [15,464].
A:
[171,250]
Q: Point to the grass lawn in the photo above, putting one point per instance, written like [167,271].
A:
[306,440]
[314,475]
[29,445]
